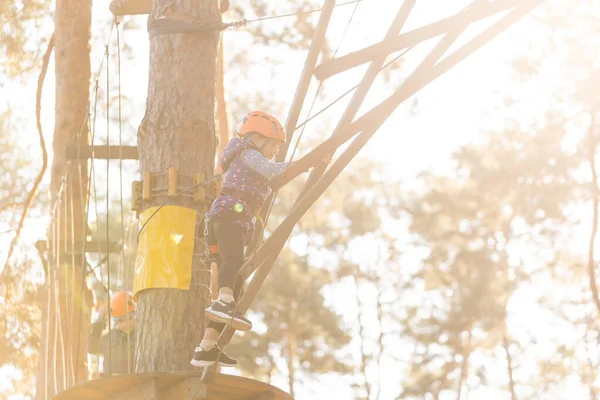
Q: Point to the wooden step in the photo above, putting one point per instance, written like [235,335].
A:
[173,386]
[130,7]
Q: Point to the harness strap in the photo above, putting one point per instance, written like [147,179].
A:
[225,190]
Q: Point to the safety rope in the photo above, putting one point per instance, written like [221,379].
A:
[108,309]
[299,12]
[91,182]
[347,92]
[122,215]
[339,45]
[167,26]
[91,177]
[260,232]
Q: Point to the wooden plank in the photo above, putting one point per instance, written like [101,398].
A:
[265,396]
[361,92]
[411,38]
[82,152]
[252,387]
[189,388]
[147,390]
[316,46]
[94,246]
[172,386]
[130,7]
[368,124]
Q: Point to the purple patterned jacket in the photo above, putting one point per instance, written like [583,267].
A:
[248,171]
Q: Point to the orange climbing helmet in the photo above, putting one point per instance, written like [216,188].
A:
[121,303]
[263,124]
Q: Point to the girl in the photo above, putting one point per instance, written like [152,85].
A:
[248,166]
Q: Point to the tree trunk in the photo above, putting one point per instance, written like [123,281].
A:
[380,345]
[592,133]
[65,299]
[292,349]
[464,369]
[178,131]
[364,358]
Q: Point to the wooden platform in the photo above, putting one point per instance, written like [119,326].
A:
[172,386]
[130,7]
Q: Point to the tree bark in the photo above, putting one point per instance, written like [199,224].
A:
[65,299]
[177,130]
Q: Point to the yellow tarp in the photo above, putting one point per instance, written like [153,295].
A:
[164,254]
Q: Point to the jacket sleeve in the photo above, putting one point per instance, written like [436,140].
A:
[94,343]
[254,160]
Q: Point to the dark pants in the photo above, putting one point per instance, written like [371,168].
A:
[229,238]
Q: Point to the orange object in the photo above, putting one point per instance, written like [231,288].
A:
[121,303]
[263,124]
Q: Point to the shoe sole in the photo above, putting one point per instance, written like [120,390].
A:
[204,364]
[226,319]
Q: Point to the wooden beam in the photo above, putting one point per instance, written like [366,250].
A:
[102,152]
[362,91]
[411,38]
[316,46]
[190,388]
[409,88]
[184,385]
[130,7]
[95,246]
[367,125]
[265,396]
[148,390]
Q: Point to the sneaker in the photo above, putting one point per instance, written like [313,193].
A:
[204,358]
[222,312]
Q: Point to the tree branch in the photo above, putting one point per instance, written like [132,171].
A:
[9,205]
[38,180]
[595,200]
[511,381]
[363,357]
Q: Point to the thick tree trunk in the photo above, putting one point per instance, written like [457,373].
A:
[65,299]
[178,130]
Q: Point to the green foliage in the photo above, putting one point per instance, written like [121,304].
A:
[20,22]
[19,312]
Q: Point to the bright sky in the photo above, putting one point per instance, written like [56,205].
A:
[449,113]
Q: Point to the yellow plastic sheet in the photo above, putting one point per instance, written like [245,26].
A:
[164,254]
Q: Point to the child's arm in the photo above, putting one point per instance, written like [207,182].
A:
[254,160]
